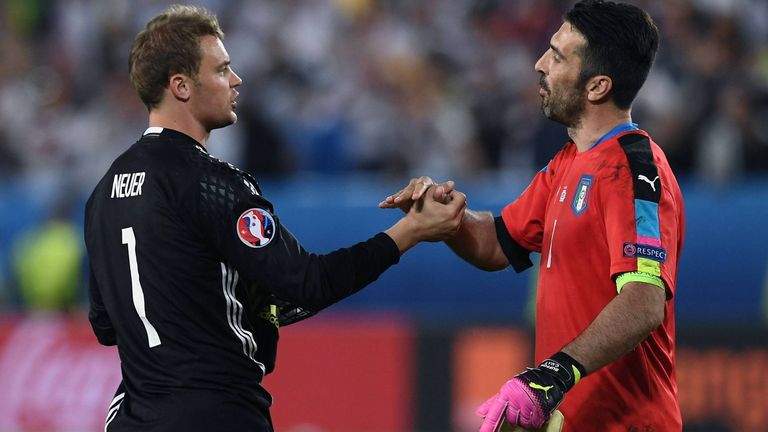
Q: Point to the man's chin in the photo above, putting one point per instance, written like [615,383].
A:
[552,116]
[546,111]
[224,123]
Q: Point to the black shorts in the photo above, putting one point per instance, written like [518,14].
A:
[189,411]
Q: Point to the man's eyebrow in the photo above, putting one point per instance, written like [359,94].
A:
[560,53]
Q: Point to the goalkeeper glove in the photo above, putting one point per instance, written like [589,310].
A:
[530,397]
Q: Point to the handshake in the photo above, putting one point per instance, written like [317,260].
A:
[433,212]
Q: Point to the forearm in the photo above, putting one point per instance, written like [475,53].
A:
[530,397]
[476,242]
[625,322]
[98,316]
[315,281]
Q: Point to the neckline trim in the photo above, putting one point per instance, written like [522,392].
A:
[620,128]
[153,130]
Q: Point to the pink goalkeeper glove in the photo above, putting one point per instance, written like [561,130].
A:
[529,398]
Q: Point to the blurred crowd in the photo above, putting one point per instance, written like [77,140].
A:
[393,88]
[398,87]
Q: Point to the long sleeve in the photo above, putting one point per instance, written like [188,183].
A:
[97,315]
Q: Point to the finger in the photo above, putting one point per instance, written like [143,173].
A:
[443,193]
[459,198]
[408,191]
[419,190]
[388,202]
[494,416]
[438,194]
[512,415]
[483,409]
[403,194]
[420,186]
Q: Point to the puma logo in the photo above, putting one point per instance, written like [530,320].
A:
[649,181]
[535,386]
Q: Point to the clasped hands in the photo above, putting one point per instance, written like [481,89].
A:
[435,209]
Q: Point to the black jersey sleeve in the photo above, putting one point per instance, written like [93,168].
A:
[236,220]
[98,316]
[518,257]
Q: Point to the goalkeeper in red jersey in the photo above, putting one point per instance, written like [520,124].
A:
[607,216]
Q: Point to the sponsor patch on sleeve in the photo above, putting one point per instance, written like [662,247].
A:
[256,227]
[639,250]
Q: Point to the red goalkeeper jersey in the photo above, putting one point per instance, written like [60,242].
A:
[593,215]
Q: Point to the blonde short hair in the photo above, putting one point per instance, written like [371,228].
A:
[169,44]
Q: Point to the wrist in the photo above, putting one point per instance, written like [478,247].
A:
[402,233]
[565,368]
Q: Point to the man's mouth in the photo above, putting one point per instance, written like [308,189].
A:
[543,84]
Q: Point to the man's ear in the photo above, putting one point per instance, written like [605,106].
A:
[180,87]
[599,87]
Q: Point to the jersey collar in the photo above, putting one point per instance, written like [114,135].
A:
[170,133]
[622,127]
[153,130]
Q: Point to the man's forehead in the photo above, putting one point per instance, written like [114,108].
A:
[568,39]
[213,48]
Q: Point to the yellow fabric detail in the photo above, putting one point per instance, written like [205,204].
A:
[576,375]
[626,278]
[644,265]
[535,386]
[269,313]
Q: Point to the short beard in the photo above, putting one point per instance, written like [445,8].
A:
[565,107]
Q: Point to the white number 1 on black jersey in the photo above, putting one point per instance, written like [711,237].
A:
[138,294]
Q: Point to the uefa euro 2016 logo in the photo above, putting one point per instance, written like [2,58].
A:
[255,227]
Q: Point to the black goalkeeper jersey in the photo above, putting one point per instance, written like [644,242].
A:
[191,275]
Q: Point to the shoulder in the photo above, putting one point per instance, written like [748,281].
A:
[638,147]
[218,187]
[646,164]
[179,157]
[213,172]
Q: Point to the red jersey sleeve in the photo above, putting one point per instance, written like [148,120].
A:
[524,217]
[642,215]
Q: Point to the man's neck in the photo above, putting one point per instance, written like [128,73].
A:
[594,125]
[180,123]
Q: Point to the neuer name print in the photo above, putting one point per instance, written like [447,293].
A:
[127,185]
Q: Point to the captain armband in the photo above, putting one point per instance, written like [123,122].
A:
[628,277]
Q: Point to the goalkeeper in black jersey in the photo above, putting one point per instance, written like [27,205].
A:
[192,272]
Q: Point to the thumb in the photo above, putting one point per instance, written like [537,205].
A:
[494,416]
[483,409]
[439,193]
